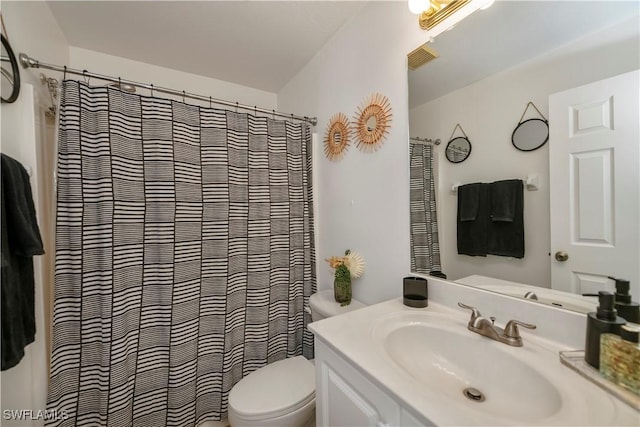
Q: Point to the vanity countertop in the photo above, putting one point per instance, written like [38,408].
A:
[355,336]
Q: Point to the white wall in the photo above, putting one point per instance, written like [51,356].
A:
[363,198]
[28,137]
[101,63]
[488,111]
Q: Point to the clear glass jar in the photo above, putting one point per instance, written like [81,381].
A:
[342,290]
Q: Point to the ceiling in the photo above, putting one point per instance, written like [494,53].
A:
[264,44]
[259,44]
[506,34]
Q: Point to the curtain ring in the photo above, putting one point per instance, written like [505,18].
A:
[151,89]
[84,76]
[64,75]
[236,106]
[182,96]
[210,103]
[255,110]
[273,114]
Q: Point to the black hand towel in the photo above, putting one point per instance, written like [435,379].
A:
[20,241]
[506,229]
[472,233]
[468,201]
[503,199]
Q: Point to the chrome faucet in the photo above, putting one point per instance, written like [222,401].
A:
[481,325]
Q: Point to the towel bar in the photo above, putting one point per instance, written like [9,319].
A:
[531,182]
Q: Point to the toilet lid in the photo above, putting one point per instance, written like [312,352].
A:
[273,390]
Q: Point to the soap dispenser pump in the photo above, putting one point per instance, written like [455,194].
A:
[627,309]
[604,320]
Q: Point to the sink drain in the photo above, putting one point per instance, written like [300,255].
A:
[473,394]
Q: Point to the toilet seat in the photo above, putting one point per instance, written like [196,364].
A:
[277,389]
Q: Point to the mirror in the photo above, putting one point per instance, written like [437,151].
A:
[10,73]
[458,149]
[491,64]
[530,135]
[336,139]
[371,122]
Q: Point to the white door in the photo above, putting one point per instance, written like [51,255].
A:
[594,160]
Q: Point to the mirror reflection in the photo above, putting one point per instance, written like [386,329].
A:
[490,65]
[458,149]
[371,123]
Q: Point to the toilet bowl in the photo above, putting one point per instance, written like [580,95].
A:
[282,394]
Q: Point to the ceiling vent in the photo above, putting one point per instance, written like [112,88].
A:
[420,56]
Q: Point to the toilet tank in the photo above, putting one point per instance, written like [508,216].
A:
[323,305]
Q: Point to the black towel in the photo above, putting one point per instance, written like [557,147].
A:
[20,241]
[503,199]
[468,201]
[472,233]
[506,228]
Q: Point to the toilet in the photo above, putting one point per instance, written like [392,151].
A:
[282,394]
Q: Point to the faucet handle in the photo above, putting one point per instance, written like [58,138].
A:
[511,329]
[474,311]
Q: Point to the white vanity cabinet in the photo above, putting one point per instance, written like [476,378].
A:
[345,397]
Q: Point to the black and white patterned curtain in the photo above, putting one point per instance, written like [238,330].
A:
[425,248]
[184,256]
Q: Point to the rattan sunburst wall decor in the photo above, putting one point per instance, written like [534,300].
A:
[336,139]
[372,121]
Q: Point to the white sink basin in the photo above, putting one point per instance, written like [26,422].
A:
[425,358]
[452,359]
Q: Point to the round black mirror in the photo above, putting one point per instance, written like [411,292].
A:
[530,134]
[458,149]
[10,88]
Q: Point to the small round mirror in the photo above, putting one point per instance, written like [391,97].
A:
[530,134]
[10,73]
[371,123]
[336,140]
[458,149]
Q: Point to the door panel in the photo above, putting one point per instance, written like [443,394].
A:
[594,159]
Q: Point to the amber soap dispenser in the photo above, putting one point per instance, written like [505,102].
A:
[604,320]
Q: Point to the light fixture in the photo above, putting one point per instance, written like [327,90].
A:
[487,5]
[432,12]
[418,6]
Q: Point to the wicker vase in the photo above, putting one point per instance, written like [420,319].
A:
[342,290]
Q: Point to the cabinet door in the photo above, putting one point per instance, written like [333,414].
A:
[344,397]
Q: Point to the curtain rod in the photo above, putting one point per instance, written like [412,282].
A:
[425,140]
[28,62]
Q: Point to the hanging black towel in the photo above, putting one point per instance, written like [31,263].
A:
[503,199]
[20,242]
[506,227]
[473,215]
[468,201]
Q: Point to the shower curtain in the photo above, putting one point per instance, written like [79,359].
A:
[425,247]
[184,256]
